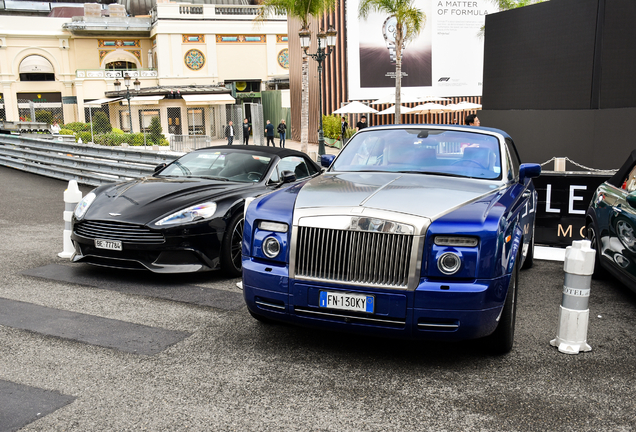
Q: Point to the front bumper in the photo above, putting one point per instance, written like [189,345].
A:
[178,254]
[434,310]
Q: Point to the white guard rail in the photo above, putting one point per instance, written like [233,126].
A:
[88,164]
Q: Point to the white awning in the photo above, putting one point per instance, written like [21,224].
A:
[35,64]
[100,102]
[208,99]
[143,100]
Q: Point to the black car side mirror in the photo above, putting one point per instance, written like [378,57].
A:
[631,199]
[326,160]
[529,170]
[288,176]
[159,167]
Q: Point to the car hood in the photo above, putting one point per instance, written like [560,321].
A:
[144,200]
[424,195]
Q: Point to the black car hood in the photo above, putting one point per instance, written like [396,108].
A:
[144,200]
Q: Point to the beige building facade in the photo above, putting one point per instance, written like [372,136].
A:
[185,58]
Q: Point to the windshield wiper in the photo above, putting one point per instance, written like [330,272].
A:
[428,173]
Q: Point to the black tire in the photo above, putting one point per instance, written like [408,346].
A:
[530,255]
[594,240]
[501,341]
[231,247]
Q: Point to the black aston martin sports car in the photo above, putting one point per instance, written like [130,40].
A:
[188,216]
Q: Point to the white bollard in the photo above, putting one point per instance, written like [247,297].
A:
[72,195]
[574,312]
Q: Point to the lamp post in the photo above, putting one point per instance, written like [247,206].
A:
[326,42]
[128,96]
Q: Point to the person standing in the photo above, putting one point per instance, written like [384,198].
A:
[55,128]
[343,130]
[361,124]
[269,132]
[282,130]
[229,133]
[246,131]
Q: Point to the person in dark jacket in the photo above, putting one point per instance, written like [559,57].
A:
[247,127]
[282,131]
[269,132]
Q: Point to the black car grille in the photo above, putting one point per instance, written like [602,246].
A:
[128,233]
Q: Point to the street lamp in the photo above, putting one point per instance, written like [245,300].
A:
[325,40]
[128,96]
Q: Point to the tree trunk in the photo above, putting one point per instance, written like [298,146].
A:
[304,113]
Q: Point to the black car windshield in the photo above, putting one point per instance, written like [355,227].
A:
[226,165]
[426,151]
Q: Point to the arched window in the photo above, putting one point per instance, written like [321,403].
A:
[120,65]
[36,68]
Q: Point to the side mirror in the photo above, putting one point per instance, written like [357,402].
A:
[631,199]
[529,170]
[326,160]
[159,167]
[288,176]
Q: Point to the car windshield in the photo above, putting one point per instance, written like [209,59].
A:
[225,165]
[429,151]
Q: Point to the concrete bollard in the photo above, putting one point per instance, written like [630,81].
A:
[574,312]
[72,195]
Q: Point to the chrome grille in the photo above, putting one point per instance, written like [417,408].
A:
[118,231]
[369,258]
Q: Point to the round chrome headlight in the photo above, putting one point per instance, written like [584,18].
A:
[449,263]
[271,247]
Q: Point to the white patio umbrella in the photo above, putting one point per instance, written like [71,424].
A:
[391,110]
[355,108]
[464,106]
[430,108]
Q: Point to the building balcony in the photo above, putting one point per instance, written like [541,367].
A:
[113,74]
[109,26]
[186,11]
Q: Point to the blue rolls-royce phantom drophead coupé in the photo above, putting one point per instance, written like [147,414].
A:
[413,231]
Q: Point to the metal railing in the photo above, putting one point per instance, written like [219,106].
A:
[87,164]
[186,143]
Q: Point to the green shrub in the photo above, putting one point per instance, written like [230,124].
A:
[331,126]
[164,142]
[118,131]
[156,131]
[78,127]
[44,116]
[101,123]
[349,133]
[85,136]
[66,132]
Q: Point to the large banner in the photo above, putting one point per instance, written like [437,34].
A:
[446,59]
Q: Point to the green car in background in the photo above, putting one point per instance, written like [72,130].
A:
[611,224]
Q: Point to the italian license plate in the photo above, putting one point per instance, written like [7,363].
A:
[347,301]
[108,244]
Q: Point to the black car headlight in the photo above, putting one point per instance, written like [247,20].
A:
[82,207]
[270,240]
[190,214]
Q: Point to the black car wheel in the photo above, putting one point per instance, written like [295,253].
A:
[232,244]
[501,341]
[594,240]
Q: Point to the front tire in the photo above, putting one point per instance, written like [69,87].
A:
[501,341]
[231,247]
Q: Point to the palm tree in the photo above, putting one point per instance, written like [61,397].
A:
[302,10]
[409,24]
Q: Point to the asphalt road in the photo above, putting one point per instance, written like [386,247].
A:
[87,349]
